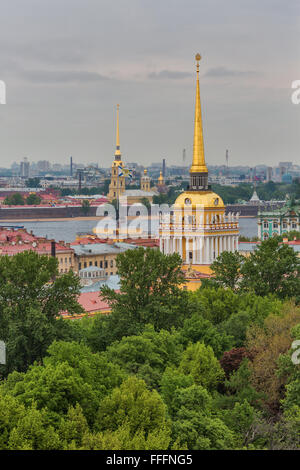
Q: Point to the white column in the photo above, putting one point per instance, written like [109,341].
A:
[187,250]
[194,251]
[201,240]
[206,250]
[161,245]
[198,249]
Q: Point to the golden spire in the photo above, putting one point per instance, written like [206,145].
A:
[198,165]
[117,152]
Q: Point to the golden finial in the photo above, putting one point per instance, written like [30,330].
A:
[198,165]
[198,58]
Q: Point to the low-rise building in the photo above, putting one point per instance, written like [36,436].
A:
[17,240]
[99,255]
[279,221]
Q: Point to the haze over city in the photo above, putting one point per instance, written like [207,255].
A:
[67,64]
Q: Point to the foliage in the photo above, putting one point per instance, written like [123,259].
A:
[31,299]
[200,362]
[85,206]
[15,199]
[33,199]
[168,369]
[226,269]
[273,268]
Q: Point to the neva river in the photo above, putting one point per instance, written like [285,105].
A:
[67,229]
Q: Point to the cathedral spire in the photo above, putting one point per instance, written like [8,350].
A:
[117,152]
[198,170]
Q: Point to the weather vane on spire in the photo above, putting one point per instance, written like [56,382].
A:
[198,58]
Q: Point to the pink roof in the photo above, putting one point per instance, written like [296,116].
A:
[92,302]
[41,248]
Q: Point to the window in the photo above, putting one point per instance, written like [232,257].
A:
[101,264]
[266,225]
[105,264]
[79,265]
[111,263]
[70,260]
[275,225]
[66,260]
[91,263]
[111,274]
[84,264]
[96,263]
[191,255]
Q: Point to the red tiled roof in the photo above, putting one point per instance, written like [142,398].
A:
[92,302]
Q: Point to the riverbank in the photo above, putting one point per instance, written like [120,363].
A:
[56,219]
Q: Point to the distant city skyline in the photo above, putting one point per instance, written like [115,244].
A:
[67,64]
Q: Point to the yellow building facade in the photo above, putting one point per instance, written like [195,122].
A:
[196,227]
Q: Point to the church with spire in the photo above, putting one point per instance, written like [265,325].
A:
[117,187]
[197,227]
[117,184]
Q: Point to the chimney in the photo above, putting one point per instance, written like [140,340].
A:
[53,248]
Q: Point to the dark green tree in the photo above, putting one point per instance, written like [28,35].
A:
[33,199]
[85,206]
[226,269]
[149,293]
[273,268]
[32,297]
[14,200]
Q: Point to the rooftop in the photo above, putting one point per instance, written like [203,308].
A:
[101,248]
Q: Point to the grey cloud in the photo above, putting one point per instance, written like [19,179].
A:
[220,72]
[169,74]
[62,76]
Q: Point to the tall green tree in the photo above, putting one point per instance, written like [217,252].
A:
[14,200]
[226,269]
[85,206]
[149,292]
[32,297]
[273,268]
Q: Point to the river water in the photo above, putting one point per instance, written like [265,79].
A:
[67,229]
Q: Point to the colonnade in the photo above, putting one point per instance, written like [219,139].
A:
[199,249]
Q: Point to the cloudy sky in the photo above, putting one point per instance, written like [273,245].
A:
[67,63]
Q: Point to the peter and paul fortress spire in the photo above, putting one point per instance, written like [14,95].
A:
[117,184]
[198,170]
[118,152]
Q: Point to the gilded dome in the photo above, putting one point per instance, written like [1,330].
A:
[208,199]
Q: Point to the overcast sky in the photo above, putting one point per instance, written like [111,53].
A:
[67,63]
